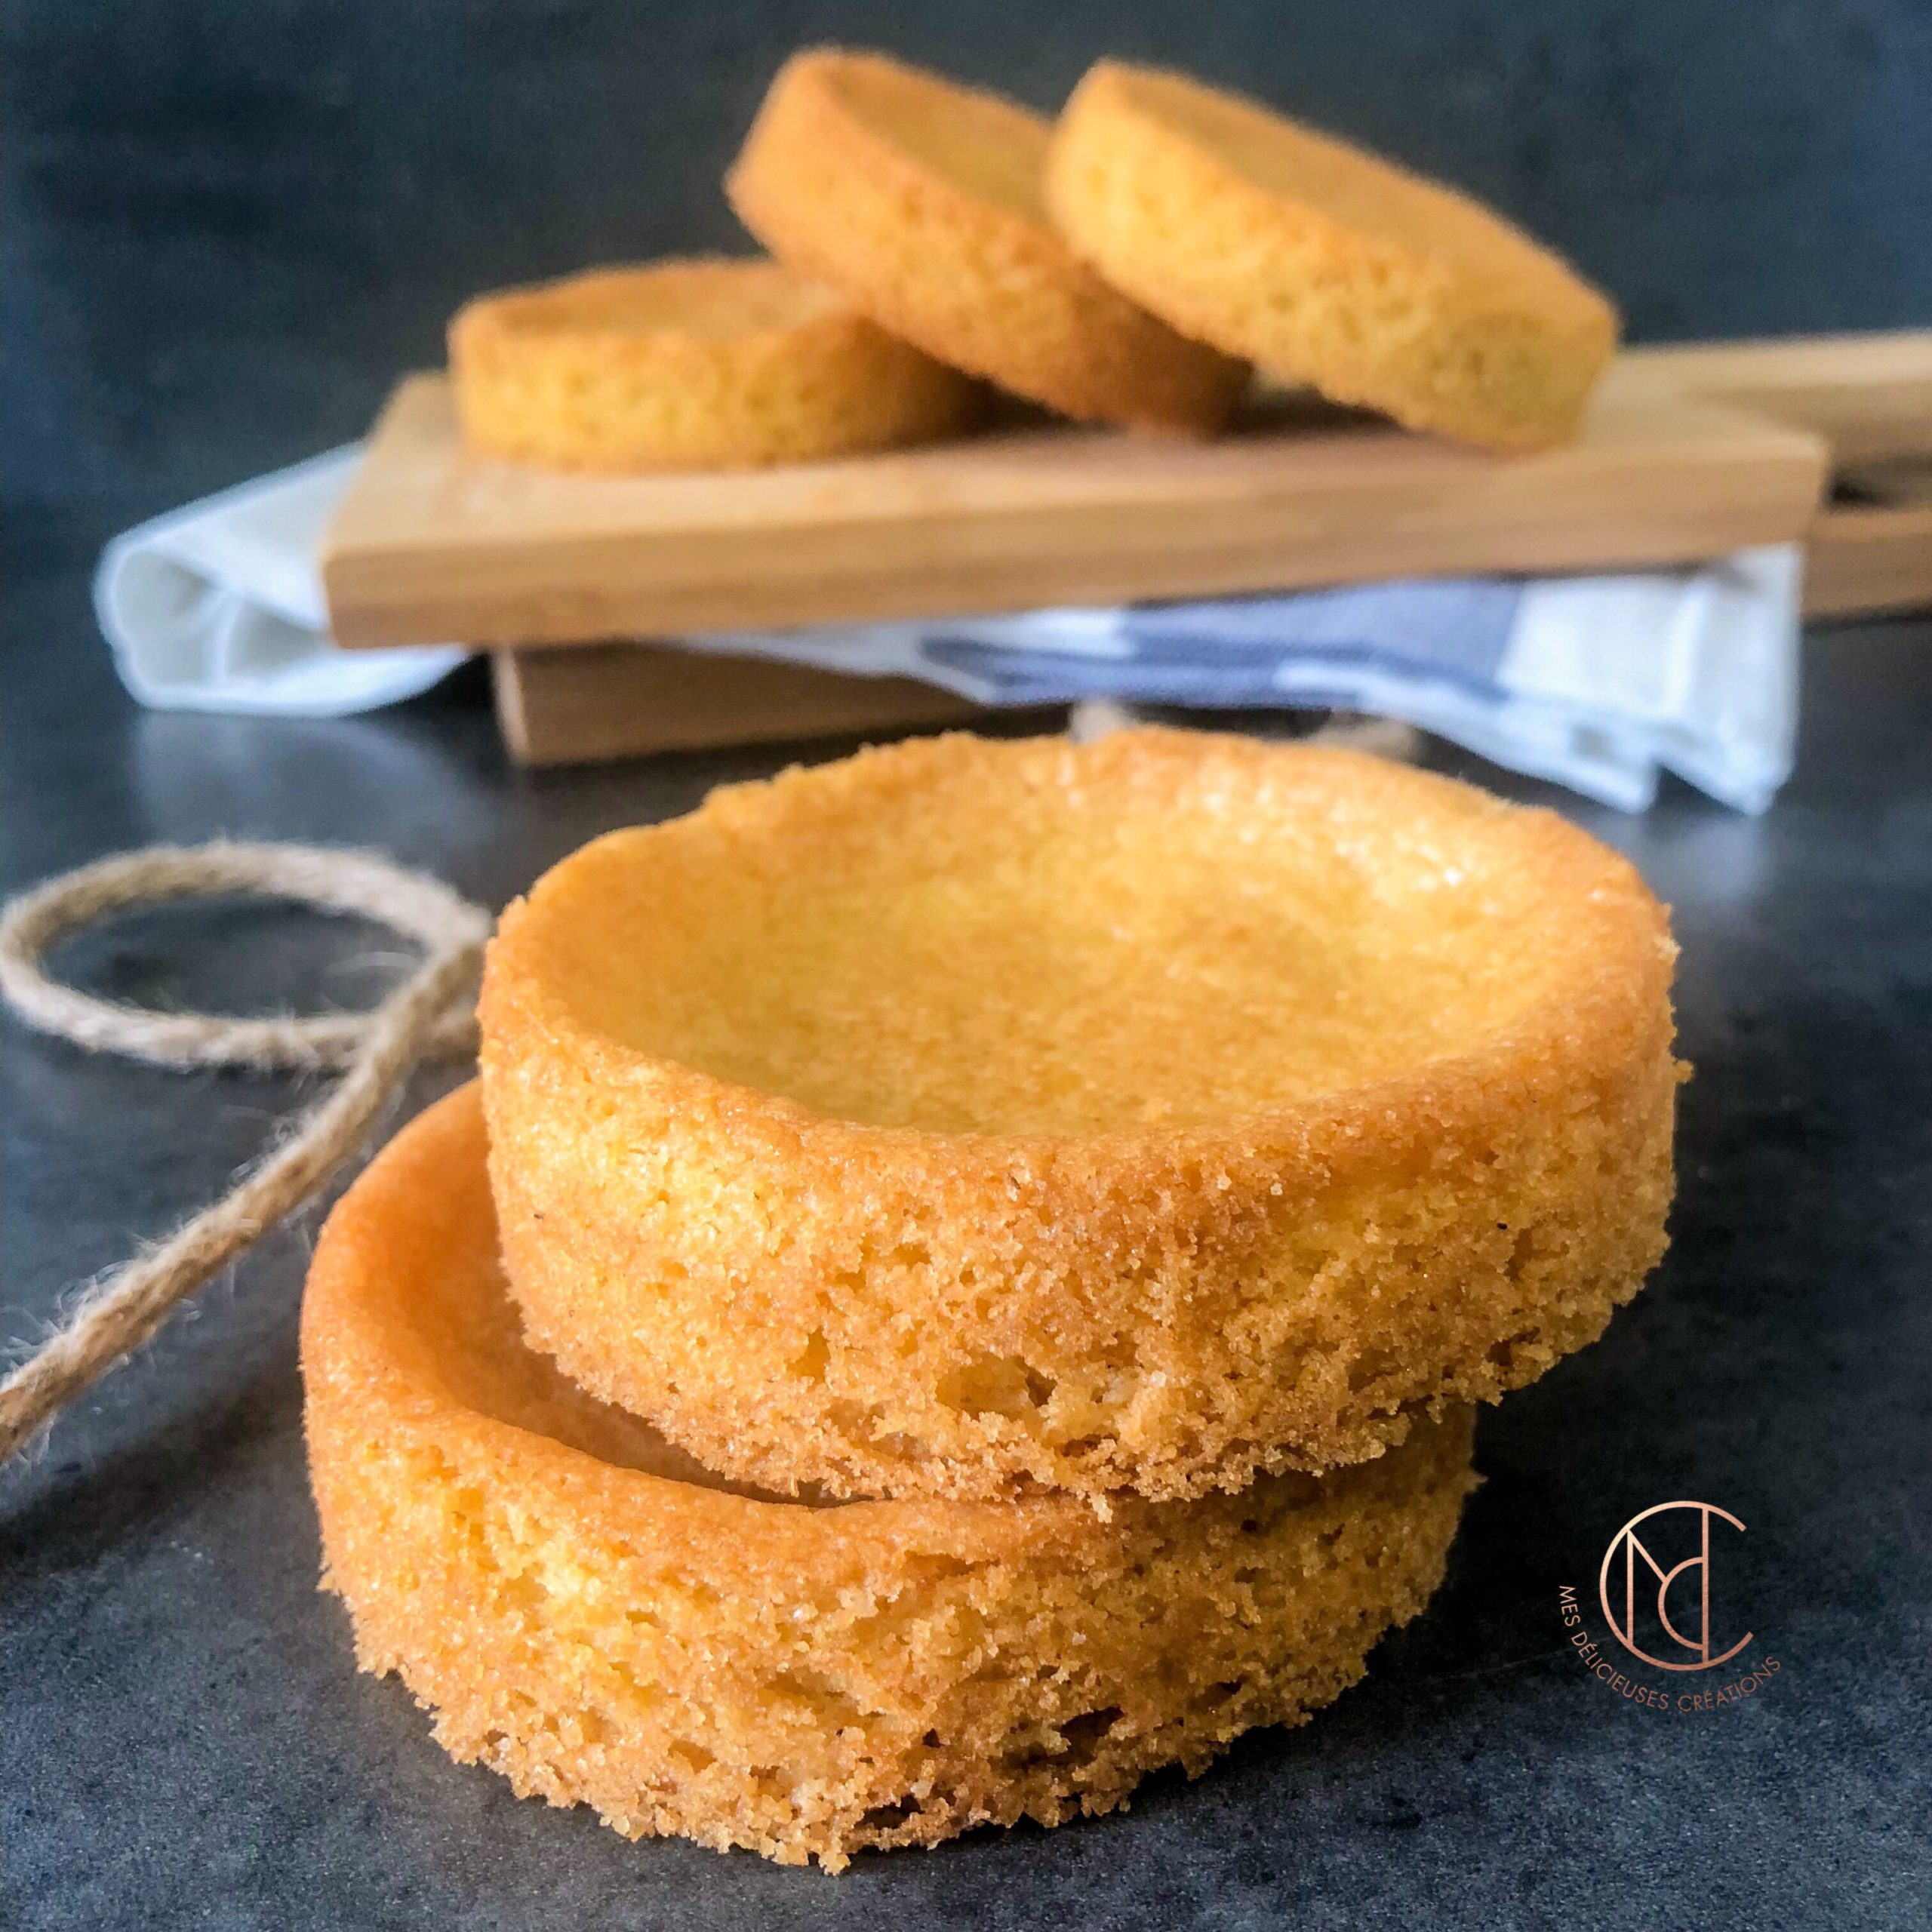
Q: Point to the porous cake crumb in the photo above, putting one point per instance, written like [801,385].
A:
[1323,264]
[920,201]
[594,1616]
[701,364]
[967,1116]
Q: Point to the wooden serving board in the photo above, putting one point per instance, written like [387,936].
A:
[433,544]
[1691,451]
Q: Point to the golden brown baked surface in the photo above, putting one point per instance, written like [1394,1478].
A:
[919,201]
[1322,264]
[587,1612]
[1140,1114]
[690,365]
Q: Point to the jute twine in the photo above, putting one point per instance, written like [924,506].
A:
[429,1014]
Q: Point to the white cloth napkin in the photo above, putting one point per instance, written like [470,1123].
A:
[219,606]
[1598,683]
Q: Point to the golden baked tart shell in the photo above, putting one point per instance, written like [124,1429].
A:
[1323,264]
[588,1613]
[697,364]
[970,1115]
[919,201]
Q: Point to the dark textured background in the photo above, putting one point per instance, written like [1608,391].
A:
[224,225]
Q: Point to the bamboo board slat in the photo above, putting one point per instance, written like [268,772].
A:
[1869,548]
[616,700]
[434,544]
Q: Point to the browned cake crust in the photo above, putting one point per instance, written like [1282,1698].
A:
[701,364]
[966,1115]
[1323,263]
[591,1615]
[919,201]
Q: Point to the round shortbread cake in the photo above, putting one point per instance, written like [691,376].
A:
[1323,264]
[694,364]
[590,1613]
[920,201]
[968,1115]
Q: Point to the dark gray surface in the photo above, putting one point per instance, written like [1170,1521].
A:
[225,225]
[185,1742]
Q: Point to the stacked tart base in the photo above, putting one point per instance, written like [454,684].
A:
[962,1276]
[590,1613]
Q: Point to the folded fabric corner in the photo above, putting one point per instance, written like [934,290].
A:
[218,607]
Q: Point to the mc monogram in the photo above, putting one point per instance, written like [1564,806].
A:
[1629,1569]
